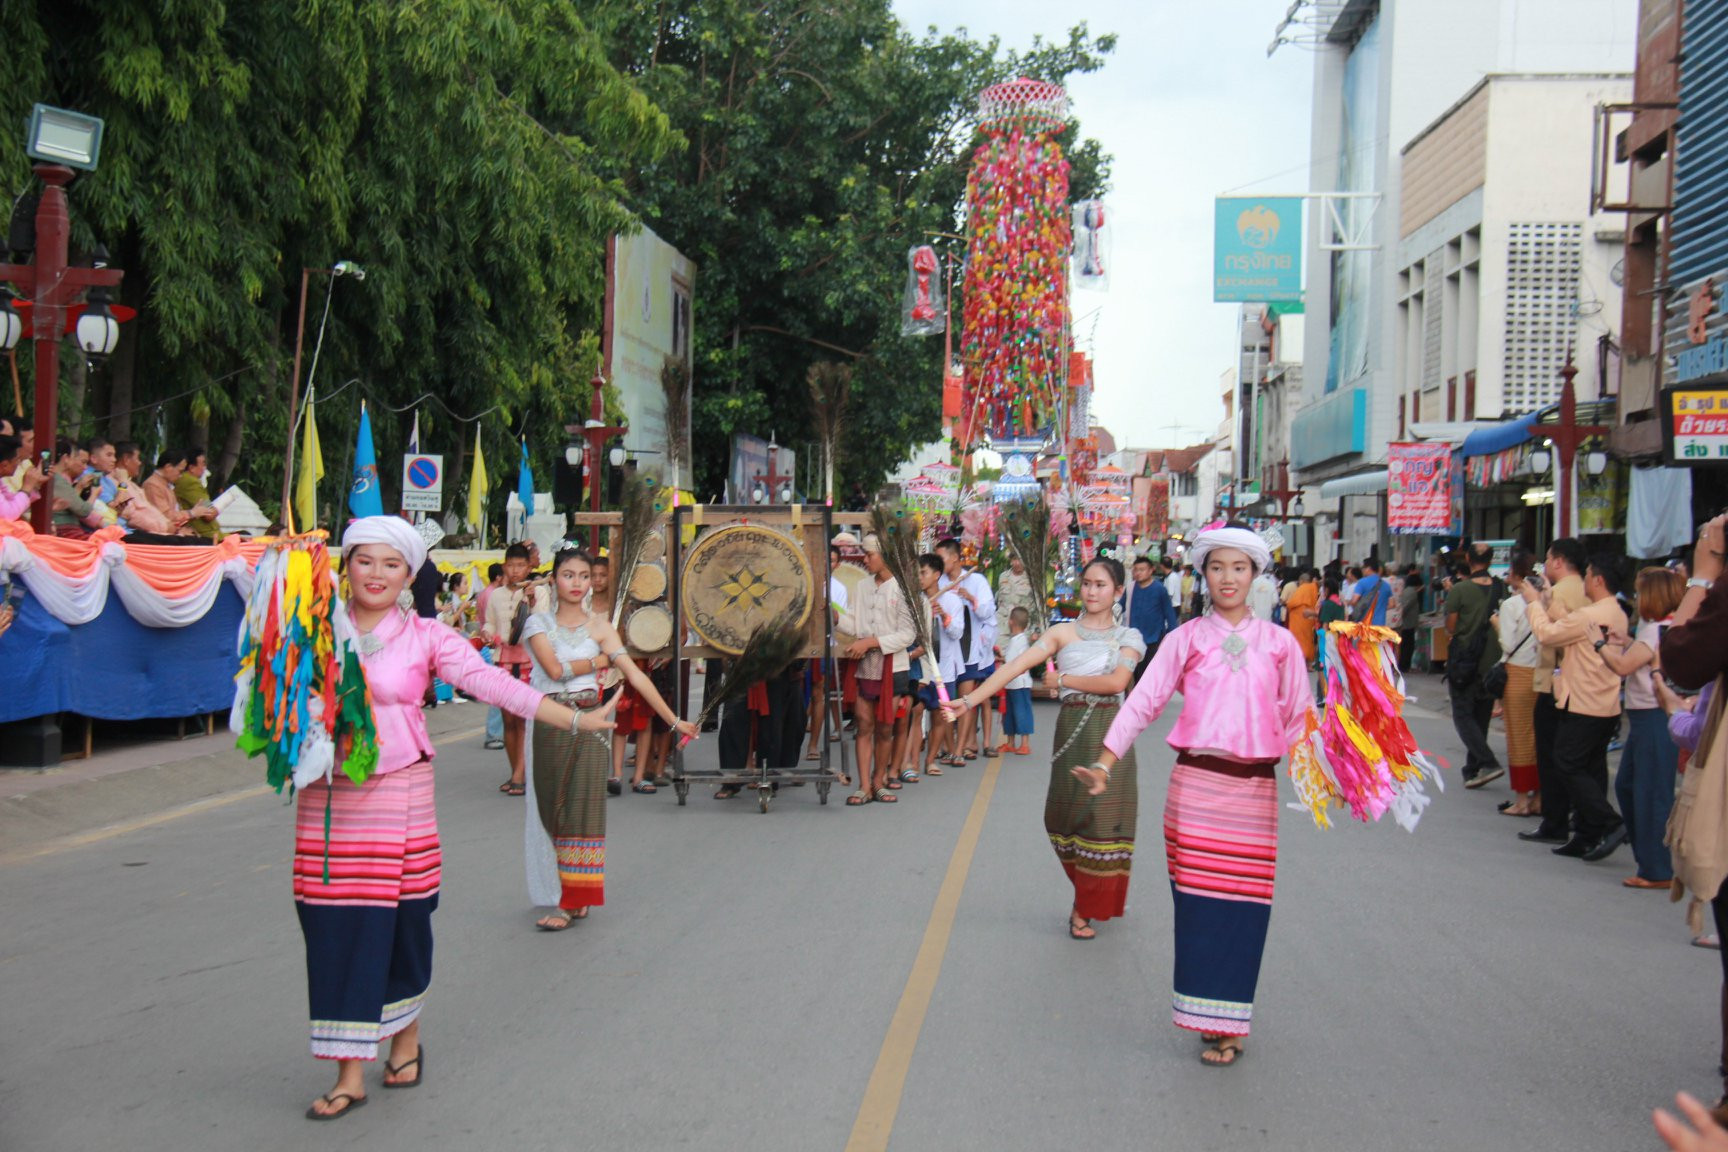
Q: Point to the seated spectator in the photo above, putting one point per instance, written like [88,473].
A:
[194,497]
[159,490]
[74,491]
[20,480]
[99,461]
[15,426]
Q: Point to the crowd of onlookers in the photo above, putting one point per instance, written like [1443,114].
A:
[99,483]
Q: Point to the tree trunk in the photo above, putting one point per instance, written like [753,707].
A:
[231,444]
[74,379]
[123,367]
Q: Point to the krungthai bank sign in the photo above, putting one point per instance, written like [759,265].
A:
[1257,250]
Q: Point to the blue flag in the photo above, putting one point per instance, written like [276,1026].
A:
[364,497]
[525,483]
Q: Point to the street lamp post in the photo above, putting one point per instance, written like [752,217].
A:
[1567,435]
[51,287]
[596,431]
[772,487]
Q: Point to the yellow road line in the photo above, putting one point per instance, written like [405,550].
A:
[875,1122]
[125,827]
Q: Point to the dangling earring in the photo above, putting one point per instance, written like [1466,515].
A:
[405,600]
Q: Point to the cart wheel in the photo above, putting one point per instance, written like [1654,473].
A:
[764,797]
[822,787]
[682,786]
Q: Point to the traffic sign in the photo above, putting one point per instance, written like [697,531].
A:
[422,483]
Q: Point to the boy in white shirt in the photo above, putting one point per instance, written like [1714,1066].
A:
[1017,723]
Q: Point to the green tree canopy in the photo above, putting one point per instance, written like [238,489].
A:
[824,141]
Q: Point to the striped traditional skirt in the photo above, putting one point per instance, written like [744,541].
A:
[566,817]
[1093,835]
[1520,708]
[1221,846]
[365,896]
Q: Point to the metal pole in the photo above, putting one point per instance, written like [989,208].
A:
[286,515]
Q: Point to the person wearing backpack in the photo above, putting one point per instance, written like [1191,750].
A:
[1472,649]
[1373,595]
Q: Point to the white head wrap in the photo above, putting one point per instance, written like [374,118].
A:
[392,532]
[1244,541]
[872,544]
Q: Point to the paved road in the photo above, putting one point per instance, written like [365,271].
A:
[1454,989]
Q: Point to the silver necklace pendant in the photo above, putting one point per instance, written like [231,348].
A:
[1234,646]
[369,644]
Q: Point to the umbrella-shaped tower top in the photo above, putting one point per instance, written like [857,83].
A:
[1032,105]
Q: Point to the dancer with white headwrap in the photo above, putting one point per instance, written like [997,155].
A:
[366,857]
[1245,702]
[1095,660]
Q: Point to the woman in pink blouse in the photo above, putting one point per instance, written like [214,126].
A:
[366,857]
[1246,697]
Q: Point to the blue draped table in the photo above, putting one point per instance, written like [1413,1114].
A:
[115,668]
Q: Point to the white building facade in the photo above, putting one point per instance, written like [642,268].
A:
[1386,73]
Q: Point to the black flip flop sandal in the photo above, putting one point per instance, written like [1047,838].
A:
[510,789]
[354,1102]
[418,1063]
[1222,1046]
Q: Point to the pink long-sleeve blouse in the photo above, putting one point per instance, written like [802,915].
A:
[1248,706]
[398,674]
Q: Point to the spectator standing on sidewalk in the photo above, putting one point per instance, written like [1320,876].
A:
[1519,645]
[1694,654]
[1146,607]
[1644,782]
[1564,570]
[1409,616]
[1587,694]
[1473,648]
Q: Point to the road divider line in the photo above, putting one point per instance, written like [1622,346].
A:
[125,827]
[875,1122]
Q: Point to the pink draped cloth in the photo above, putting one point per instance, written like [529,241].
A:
[397,676]
[1251,707]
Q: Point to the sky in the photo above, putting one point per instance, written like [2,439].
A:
[1191,108]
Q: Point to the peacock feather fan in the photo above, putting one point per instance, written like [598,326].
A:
[897,530]
[775,643]
[830,393]
[675,387]
[1026,525]
[641,516]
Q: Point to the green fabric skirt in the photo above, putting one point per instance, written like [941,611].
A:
[1093,835]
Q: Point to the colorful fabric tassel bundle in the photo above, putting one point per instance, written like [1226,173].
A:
[1358,753]
[300,696]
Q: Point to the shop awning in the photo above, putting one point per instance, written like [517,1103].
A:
[1361,484]
[1499,437]
[1449,431]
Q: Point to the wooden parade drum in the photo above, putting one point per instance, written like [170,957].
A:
[649,628]
[852,577]
[739,576]
[648,582]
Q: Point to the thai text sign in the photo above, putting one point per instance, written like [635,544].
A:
[1419,489]
[422,483]
[1695,425]
[1257,250]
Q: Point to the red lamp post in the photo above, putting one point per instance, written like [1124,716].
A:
[52,289]
[596,431]
[1567,435]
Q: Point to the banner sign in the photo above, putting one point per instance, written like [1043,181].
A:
[422,483]
[1257,250]
[1419,489]
[1695,426]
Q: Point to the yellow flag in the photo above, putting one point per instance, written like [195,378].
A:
[478,487]
[311,471]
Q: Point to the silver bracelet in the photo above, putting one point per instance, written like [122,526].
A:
[1100,766]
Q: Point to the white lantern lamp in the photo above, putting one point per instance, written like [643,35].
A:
[11,324]
[98,332]
[1596,462]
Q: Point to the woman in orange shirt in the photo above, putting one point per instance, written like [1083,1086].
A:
[1302,612]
